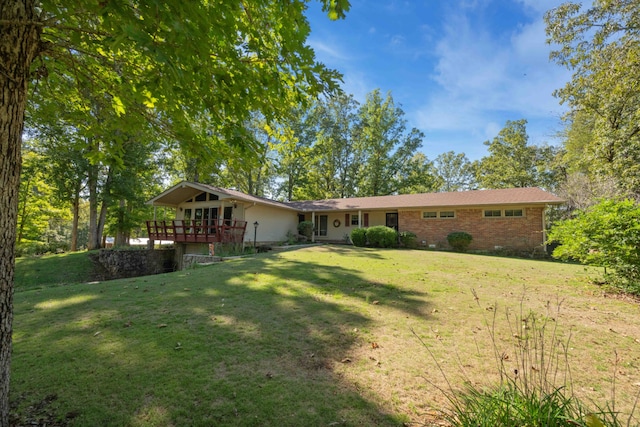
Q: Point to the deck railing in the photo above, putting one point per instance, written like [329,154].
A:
[198,231]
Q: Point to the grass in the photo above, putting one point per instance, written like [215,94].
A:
[45,271]
[316,336]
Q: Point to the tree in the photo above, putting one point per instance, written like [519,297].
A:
[601,46]
[511,161]
[177,57]
[36,212]
[417,175]
[294,154]
[386,144]
[455,172]
[336,157]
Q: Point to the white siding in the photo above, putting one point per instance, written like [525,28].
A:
[273,223]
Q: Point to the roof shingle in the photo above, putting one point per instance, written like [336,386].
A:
[508,196]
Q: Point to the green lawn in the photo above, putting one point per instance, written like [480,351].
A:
[314,337]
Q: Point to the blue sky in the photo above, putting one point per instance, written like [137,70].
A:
[459,69]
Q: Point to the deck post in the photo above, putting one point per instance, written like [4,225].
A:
[313,226]
[180,249]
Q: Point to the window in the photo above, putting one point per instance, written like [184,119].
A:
[513,212]
[202,197]
[427,215]
[493,213]
[354,219]
[447,214]
[213,196]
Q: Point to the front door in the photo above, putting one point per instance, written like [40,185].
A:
[228,214]
[392,220]
[322,222]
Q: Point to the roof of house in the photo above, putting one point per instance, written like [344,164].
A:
[185,190]
[508,196]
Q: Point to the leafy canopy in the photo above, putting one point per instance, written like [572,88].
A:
[601,45]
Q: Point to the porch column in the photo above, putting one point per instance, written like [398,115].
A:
[313,226]
[150,242]
[359,219]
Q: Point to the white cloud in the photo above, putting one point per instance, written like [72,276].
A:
[330,52]
[481,77]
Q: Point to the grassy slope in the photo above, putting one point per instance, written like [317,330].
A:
[39,272]
[309,337]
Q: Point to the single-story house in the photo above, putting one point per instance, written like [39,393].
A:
[512,218]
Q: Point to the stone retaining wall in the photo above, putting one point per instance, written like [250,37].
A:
[117,264]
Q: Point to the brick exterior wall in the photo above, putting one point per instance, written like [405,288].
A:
[514,233]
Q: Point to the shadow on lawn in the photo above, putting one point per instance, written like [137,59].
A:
[259,341]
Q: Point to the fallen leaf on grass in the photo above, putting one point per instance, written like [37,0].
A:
[162,325]
[374,345]
[346,360]
[375,302]
[97,333]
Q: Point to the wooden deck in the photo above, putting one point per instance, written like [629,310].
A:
[198,231]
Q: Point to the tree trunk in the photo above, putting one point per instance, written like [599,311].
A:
[19,44]
[92,184]
[121,233]
[106,200]
[22,218]
[76,218]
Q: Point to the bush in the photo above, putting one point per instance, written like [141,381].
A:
[604,235]
[459,240]
[408,239]
[381,236]
[34,247]
[306,229]
[359,237]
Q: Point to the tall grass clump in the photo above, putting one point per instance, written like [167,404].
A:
[534,387]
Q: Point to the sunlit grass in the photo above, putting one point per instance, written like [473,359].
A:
[308,337]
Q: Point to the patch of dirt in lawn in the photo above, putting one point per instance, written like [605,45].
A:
[42,413]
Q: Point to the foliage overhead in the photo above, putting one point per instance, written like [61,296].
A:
[512,162]
[173,62]
[601,45]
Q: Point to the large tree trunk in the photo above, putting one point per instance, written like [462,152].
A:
[92,185]
[121,233]
[76,217]
[106,201]
[19,44]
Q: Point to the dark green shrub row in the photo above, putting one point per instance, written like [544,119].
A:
[381,236]
[32,247]
[459,240]
[408,239]
[306,228]
[359,237]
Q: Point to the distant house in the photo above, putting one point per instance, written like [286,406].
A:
[507,218]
